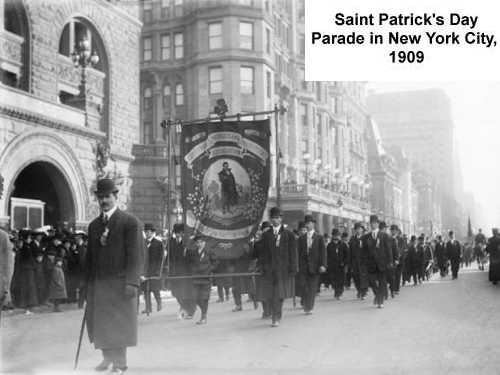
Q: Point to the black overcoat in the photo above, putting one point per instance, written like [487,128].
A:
[111,315]
[493,249]
[178,265]
[379,252]
[278,264]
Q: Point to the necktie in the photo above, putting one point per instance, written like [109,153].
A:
[104,219]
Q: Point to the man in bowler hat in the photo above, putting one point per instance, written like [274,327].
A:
[279,265]
[312,262]
[113,268]
[153,263]
[377,246]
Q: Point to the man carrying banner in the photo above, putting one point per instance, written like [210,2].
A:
[279,265]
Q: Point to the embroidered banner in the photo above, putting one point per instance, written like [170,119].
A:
[225,182]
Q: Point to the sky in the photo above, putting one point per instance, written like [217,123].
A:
[475,111]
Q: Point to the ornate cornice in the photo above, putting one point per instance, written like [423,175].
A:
[31,117]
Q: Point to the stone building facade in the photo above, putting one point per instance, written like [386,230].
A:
[58,135]
[251,53]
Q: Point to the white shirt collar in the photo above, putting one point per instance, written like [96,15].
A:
[310,233]
[277,229]
[109,213]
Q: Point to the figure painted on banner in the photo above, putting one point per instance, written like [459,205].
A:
[229,193]
[114,265]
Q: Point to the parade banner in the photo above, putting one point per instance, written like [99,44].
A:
[225,182]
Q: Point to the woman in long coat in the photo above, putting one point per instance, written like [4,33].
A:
[25,284]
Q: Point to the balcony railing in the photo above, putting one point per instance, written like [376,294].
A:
[11,54]
[309,191]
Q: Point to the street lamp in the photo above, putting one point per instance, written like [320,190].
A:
[83,58]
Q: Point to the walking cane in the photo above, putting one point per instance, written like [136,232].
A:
[82,328]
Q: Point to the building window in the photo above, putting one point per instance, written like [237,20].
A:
[166,97]
[179,45]
[215,80]
[165,8]
[215,35]
[147,49]
[165,47]
[268,41]
[268,85]
[147,10]
[148,99]
[246,80]
[178,8]
[246,35]
[303,114]
[179,94]
[148,133]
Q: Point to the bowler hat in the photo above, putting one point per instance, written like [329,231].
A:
[358,225]
[335,232]
[344,235]
[149,226]
[421,238]
[265,224]
[179,227]
[106,186]
[394,227]
[275,212]
[309,219]
[197,237]
[382,225]
[373,219]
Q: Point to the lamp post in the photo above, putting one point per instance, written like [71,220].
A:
[82,57]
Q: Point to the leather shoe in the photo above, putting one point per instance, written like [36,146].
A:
[202,321]
[275,323]
[237,308]
[103,366]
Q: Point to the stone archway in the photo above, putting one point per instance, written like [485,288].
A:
[45,152]
[44,181]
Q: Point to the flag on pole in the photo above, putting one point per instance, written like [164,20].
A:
[225,180]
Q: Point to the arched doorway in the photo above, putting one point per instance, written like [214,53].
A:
[43,181]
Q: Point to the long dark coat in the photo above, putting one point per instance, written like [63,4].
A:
[153,263]
[203,263]
[279,264]
[379,252]
[309,261]
[24,284]
[111,315]
[57,284]
[179,266]
[440,254]
[358,260]
[337,258]
[493,249]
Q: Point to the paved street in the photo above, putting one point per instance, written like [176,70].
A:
[441,327]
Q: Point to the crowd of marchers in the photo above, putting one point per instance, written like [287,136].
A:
[297,263]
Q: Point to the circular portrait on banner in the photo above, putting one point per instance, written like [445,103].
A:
[227,185]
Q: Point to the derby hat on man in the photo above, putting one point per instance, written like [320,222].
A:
[275,212]
[373,219]
[105,187]
[149,226]
[309,219]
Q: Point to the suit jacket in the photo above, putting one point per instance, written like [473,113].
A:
[310,260]
[336,256]
[378,250]
[203,263]
[278,262]
[154,258]
[357,255]
[454,250]
[109,268]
